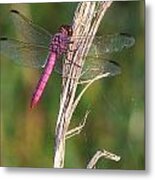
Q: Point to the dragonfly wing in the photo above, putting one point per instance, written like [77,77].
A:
[59,65]
[99,67]
[102,45]
[25,54]
[111,43]
[29,31]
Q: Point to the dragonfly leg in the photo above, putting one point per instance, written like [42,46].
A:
[71,62]
[70,42]
[72,50]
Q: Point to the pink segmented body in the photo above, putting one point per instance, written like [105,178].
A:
[43,80]
[58,46]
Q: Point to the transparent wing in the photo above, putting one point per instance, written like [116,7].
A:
[111,43]
[102,45]
[99,66]
[95,64]
[30,32]
[25,54]
[59,64]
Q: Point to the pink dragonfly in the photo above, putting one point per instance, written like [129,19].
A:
[39,49]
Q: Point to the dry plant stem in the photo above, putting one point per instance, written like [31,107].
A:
[89,82]
[85,24]
[102,153]
[77,129]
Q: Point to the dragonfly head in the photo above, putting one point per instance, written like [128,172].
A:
[66,29]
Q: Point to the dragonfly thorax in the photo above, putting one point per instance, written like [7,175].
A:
[60,42]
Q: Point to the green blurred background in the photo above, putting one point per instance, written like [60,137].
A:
[116,121]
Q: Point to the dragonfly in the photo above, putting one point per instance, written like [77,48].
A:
[37,48]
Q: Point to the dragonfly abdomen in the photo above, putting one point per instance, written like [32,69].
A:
[43,80]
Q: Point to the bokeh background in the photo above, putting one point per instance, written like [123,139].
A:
[116,121]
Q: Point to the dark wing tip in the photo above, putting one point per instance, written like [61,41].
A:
[125,34]
[116,68]
[14,11]
[3,38]
[114,62]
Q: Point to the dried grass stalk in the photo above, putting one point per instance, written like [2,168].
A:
[88,16]
[102,154]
